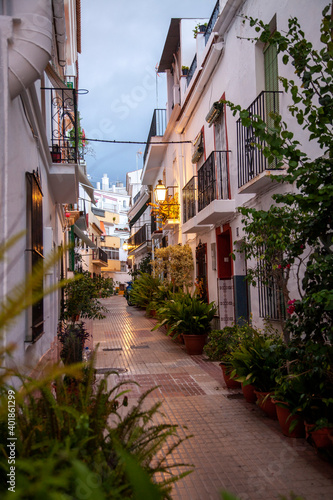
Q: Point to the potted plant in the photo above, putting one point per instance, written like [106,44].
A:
[311,378]
[256,363]
[81,299]
[185,70]
[199,28]
[221,344]
[191,318]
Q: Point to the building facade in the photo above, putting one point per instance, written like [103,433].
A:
[204,156]
[40,158]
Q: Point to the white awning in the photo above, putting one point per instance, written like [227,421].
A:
[86,184]
[83,237]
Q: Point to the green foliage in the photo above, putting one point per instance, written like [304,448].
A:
[144,267]
[175,265]
[257,360]
[87,440]
[143,290]
[104,286]
[304,217]
[305,381]
[72,337]
[222,343]
[81,298]
[186,314]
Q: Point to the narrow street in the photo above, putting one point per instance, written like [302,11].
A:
[235,447]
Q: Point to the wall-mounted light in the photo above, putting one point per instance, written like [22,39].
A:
[160,192]
[214,113]
[125,246]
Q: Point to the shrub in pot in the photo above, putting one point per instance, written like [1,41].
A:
[222,343]
[256,363]
[189,316]
[143,289]
[81,299]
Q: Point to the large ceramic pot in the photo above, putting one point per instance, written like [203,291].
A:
[194,343]
[229,382]
[249,393]
[286,420]
[266,404]
[321,438]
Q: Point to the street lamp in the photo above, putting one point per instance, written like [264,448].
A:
[160,192]
[125,246]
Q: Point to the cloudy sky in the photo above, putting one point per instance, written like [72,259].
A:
[122,41]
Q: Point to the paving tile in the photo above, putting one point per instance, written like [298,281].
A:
[234,445]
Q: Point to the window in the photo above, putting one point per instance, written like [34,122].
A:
[271,303]
[35,249]
[112,253]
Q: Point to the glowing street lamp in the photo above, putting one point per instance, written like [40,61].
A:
[125,246]
[160,192]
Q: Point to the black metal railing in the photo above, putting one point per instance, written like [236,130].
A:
[213,179]
[192,69]
[189,199]
[251,160]
[99,254]
[65,144]
[141,236]
[212,21]
[157,128]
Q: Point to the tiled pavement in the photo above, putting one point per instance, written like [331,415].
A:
[234,447]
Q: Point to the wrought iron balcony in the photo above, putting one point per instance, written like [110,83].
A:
[192,69]
[157,128]
[99,257]
[61,109]
[212,21]
[143,235]
[251,160]
[189,199]
[213,179]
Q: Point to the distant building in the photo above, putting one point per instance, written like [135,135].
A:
[112,205]
[140,221]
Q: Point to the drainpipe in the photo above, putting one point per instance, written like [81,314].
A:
[29,48]
[60,28]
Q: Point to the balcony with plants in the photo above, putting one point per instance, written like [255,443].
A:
[254,165]
[65,140]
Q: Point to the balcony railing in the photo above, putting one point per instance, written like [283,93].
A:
[189,202]
[61,106]
[192,69]
[143,235]
[212,21]
[99,254]
[213,179]
[157,128]
[251,160]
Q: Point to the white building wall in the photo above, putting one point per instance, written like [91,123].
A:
[237,74]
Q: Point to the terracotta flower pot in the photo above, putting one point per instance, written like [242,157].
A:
[249,394]
[194,343]
[230,383]
[285,420]
[266,404]
[321,438]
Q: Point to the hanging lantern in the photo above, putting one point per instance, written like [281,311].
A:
[160,192]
